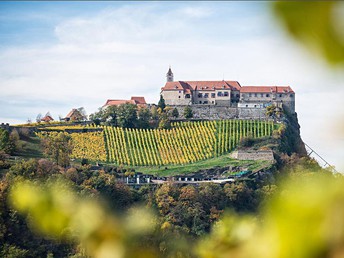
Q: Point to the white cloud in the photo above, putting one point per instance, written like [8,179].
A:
[198,12]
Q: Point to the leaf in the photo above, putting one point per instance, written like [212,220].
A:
[316,25]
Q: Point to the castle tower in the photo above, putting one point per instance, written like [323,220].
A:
[169,75]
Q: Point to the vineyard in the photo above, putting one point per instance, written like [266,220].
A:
[186,142]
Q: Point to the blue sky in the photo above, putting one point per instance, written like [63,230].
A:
[55,56]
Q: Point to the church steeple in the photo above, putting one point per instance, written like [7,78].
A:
[169,75]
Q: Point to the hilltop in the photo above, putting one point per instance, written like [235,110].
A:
[188,148]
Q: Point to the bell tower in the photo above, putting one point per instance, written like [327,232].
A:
[169,75]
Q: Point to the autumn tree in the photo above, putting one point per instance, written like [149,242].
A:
[7,143]
[241,197]
[58,147]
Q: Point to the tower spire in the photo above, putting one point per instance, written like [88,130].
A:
[169,75]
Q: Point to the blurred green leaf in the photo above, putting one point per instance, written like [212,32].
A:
[304,220]
[316,24]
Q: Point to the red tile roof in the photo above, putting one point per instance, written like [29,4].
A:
[266,89]
[47,119]
[201,85]
[116,102]
[139,100]
[71,113]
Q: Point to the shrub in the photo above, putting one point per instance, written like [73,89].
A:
[246,142]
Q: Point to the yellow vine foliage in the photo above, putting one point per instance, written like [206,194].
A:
[186,142]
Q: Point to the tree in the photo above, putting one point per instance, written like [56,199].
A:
[33,169]
[127,115]
[161,103]
[175,113]
[83,113]
[188,112]
[109,115]
[273,111]
[240,197]
[5,141]
[38,118]
[58,147]
[144,116]
[155,114]
[15,144]
[164,122]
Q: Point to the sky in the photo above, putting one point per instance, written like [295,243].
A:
[55,56]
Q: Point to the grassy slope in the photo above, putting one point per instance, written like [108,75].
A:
[30,148]
[221,161]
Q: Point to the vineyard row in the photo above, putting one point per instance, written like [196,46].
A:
[184,143]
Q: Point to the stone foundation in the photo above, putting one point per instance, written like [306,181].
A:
[211,112]
[253,155]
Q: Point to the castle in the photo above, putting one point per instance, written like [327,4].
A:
[227,94]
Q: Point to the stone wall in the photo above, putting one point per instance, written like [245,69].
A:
[253,155]
[211,112]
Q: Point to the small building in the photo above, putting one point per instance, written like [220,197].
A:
[74,115]
[47,118]
[139,101]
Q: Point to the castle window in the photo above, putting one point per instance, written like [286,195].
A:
[179,97]
[200,102]
[200,95]
[226,94]
[205,102]
[267,95]
[187,96]
[219,94]
[280,95]
[291,95]
[180,91]
[246,105]
[206,95]
[212,102]
[237,95]
[250,95]
[213,95]
[255,94]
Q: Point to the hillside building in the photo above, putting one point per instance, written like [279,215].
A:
[139,101]
[225,93]
[74,115]
[47,118]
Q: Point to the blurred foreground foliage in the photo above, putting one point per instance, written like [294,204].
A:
[57,211]
[319,25]
[304,218]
